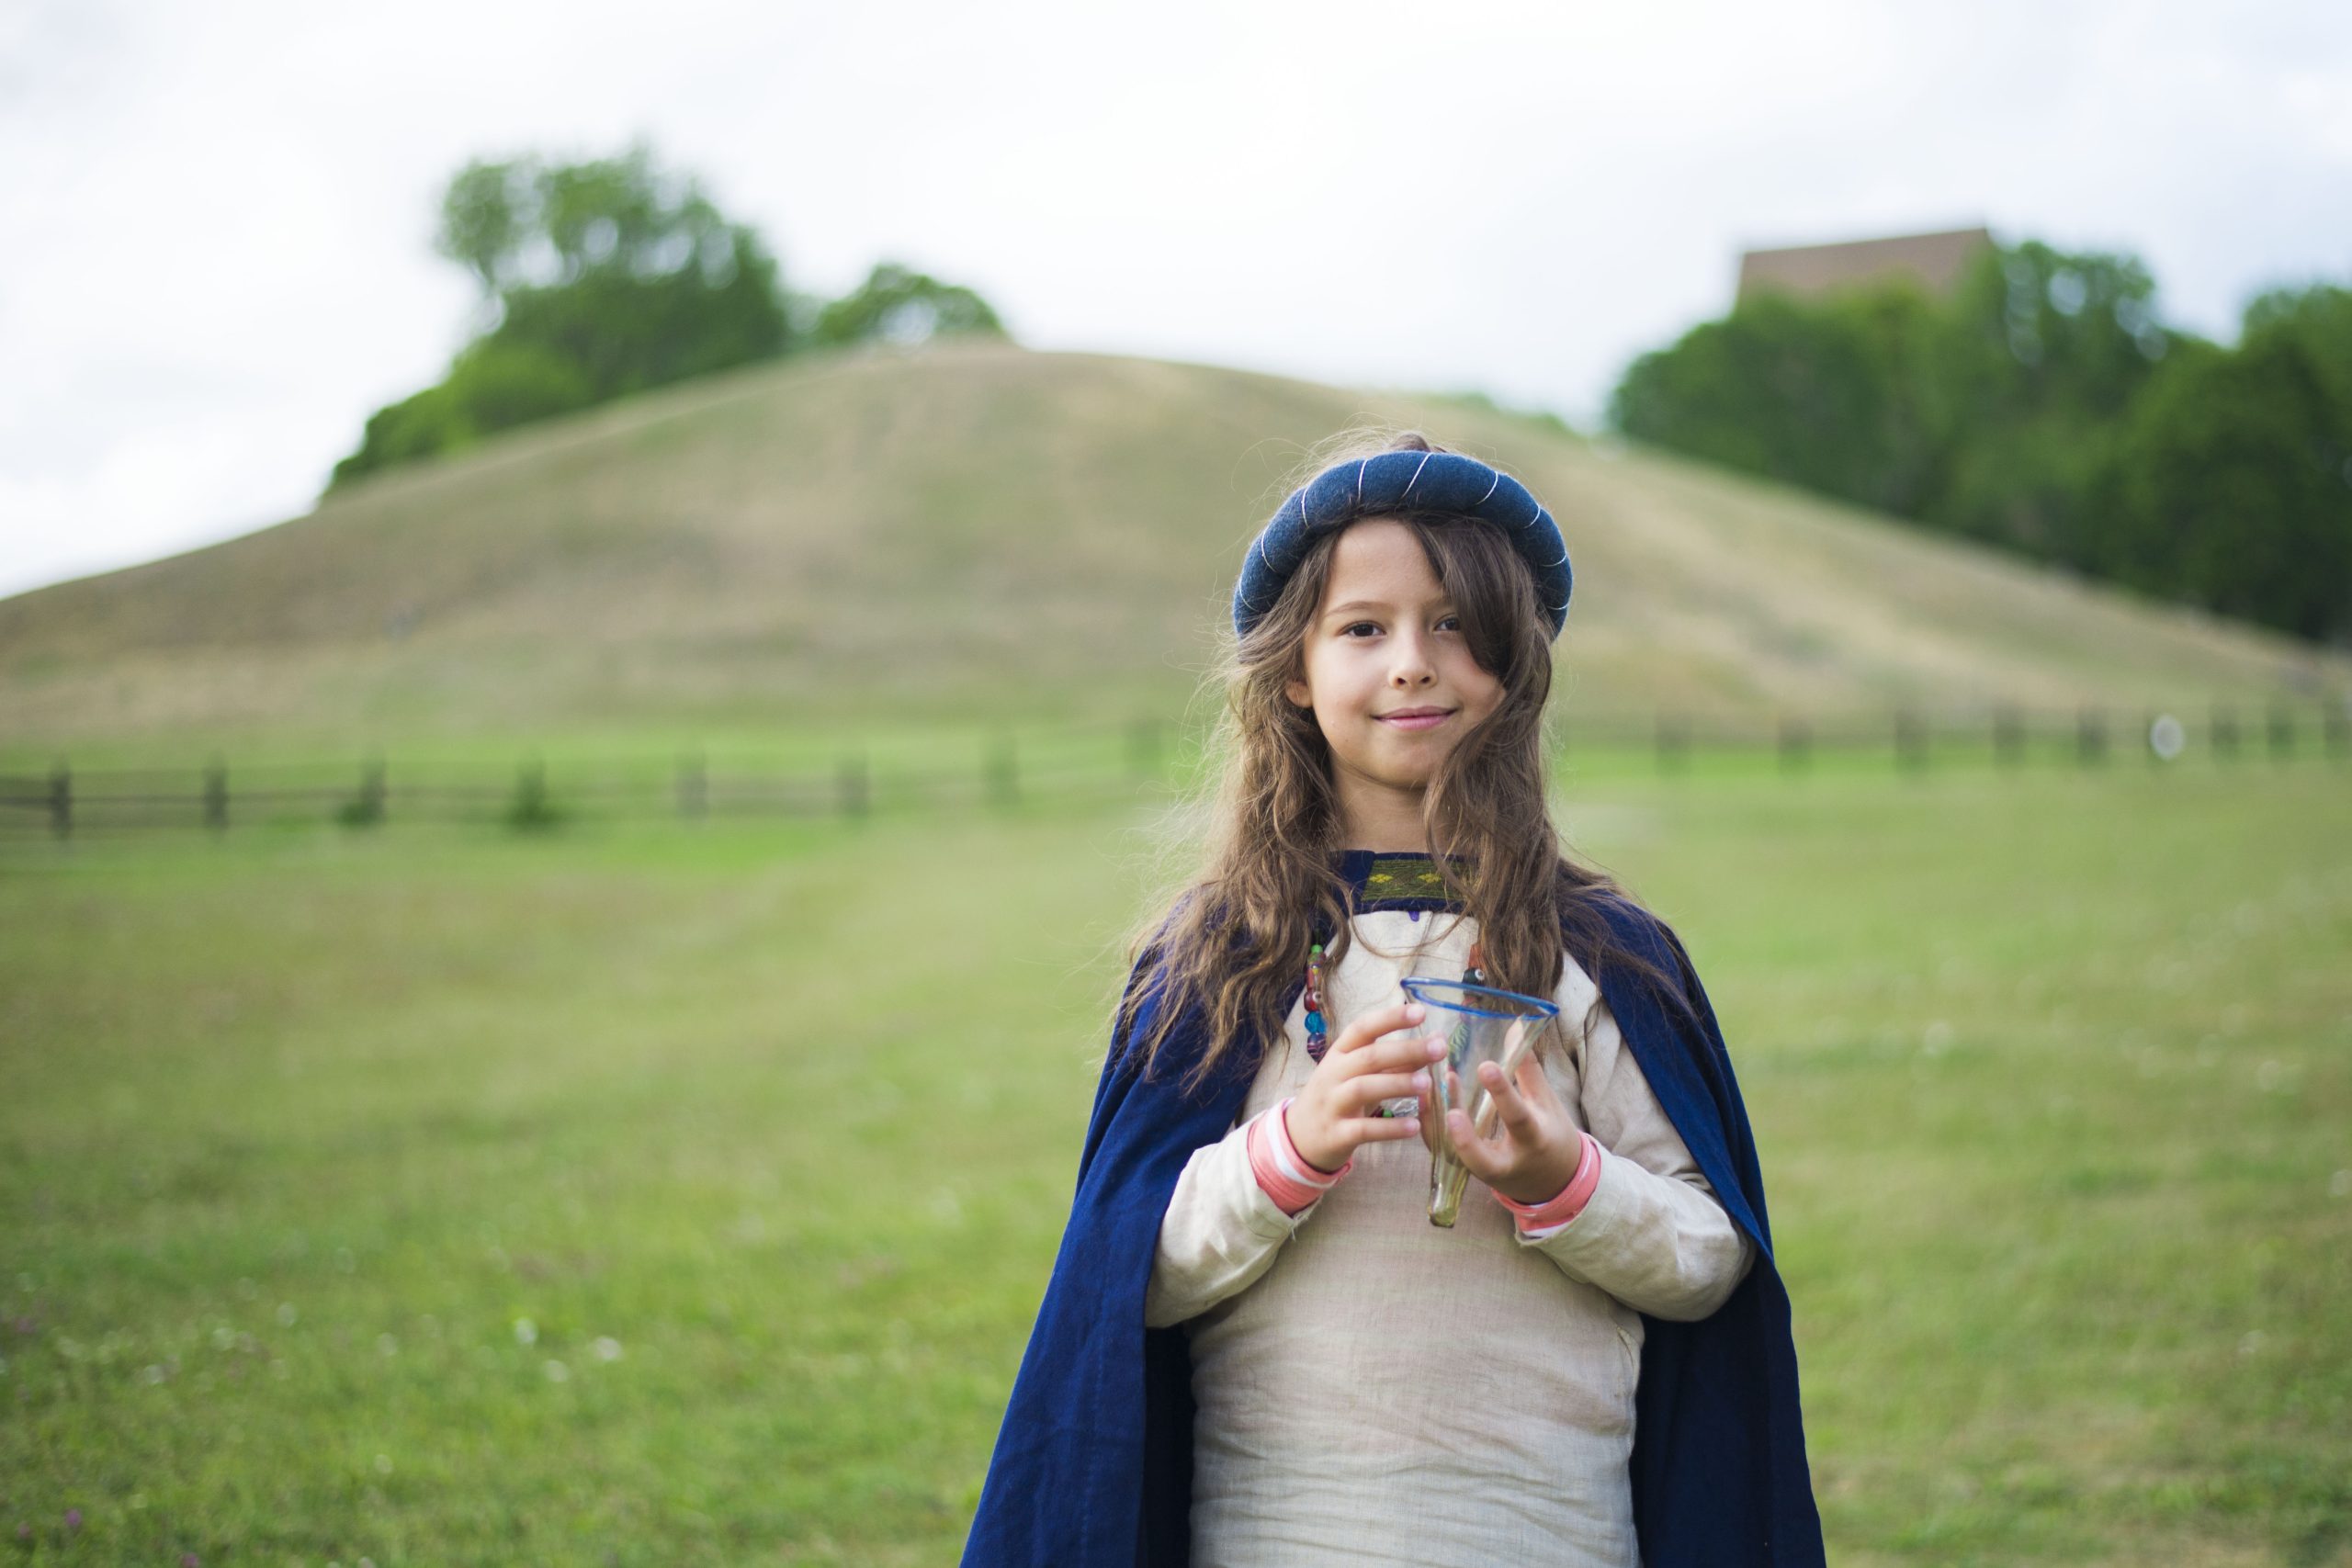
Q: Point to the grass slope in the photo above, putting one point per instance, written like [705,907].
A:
[977,529]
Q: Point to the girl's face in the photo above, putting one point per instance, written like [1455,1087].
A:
[1384,643]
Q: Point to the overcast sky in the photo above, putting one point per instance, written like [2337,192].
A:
[215,253]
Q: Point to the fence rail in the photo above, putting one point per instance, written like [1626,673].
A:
[1077,762]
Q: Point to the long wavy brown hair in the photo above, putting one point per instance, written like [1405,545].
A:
[1234,939]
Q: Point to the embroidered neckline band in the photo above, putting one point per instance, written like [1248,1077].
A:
[1399,879]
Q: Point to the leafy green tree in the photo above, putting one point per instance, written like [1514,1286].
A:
[1835,396]
[2042,352]
[2319,316]
[2233,486]
[598,279]
[895,304]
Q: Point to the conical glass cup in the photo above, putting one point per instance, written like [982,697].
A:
[1480,1024]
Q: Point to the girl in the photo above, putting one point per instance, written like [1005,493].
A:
[1255,1349]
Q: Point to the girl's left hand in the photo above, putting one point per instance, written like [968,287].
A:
[1532,1147]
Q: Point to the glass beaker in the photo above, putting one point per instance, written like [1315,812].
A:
[1480,1024]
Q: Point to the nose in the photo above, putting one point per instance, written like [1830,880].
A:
[1413,666]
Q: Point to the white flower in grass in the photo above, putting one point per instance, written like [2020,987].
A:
[558,1372]
[526,1331]
[609,1349]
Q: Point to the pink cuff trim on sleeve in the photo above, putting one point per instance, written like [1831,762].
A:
[1282,1171]
[1539,1220]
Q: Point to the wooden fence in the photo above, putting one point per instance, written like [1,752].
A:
[1072,764]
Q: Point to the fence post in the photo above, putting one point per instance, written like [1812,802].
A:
[372,790]
[215,794]
[1794,740]
[2225,730]
[694,787]
[530,806]
[60,800]
[1002,770]
[851,785]
[1910,740]
[2282,734]
[2090,737]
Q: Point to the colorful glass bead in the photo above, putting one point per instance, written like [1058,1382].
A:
[1316,1027]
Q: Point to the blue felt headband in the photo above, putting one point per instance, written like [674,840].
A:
[1397,482]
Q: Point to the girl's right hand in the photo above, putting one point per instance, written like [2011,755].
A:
[1331,1117]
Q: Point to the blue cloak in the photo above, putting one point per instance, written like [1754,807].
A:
[1093,1465]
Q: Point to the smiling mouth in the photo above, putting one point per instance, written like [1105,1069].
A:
[1423,716]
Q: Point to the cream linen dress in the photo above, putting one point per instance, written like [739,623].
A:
[1374,1390]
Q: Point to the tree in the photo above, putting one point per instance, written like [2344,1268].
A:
[898,305]
[2041,352]
[1835,396]
[2320,318]
[2232,485]
[598,279]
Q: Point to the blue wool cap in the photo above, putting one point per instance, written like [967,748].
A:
[1395,482]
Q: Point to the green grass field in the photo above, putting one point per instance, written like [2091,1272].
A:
[666,1195]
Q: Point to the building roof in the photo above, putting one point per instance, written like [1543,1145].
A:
[1936,261]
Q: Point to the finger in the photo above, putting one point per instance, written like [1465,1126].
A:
[1361,1031]
[1397,1054]
[1400,1054]
[1459,1091]
[1372,1087]
[1511,1105]
[1432,1117]
[1380,1129]
[1481,1159]
[1536,1083]
[1514,1039]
